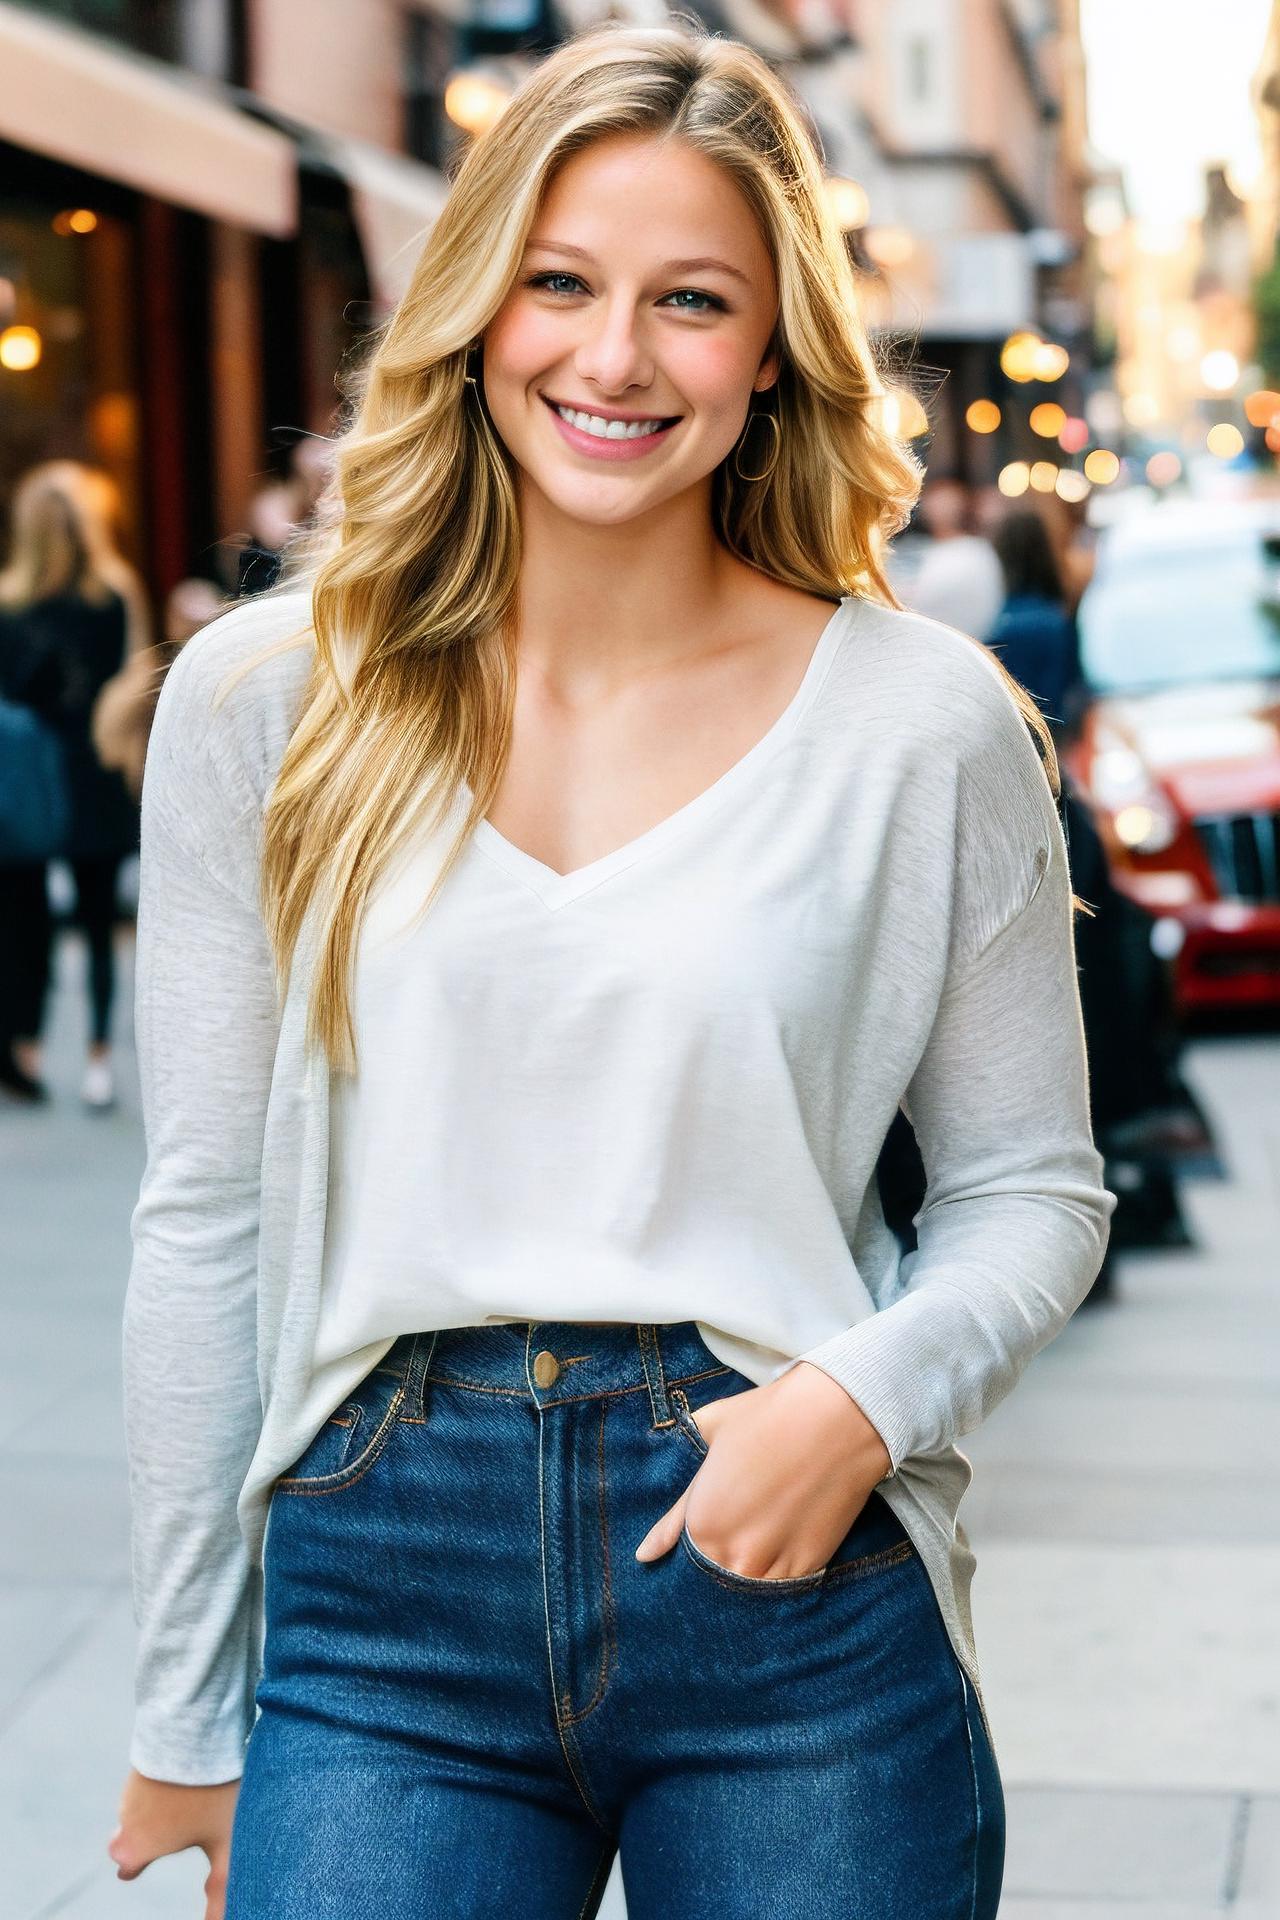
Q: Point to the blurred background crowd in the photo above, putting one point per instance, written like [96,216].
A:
[205,203]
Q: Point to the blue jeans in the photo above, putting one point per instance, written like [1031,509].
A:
[473,1694]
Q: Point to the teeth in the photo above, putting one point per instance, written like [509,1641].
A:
[608,429]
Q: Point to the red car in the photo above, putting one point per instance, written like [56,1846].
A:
[1179,752]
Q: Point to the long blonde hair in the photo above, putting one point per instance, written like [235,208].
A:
[413,573]
[62,537]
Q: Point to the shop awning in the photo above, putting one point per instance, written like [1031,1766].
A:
[156,128]
[394,200]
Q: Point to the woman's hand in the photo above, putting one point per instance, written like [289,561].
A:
[791,1466]
[157,1817]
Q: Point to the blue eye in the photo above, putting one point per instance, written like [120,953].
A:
[544,279]
[712,302]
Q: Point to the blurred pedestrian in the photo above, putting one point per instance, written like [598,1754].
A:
[958,577]
[124,709]
[71,606]
[1033,633]
[283,509]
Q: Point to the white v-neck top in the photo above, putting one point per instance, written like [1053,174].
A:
[652,1089]
[576,1086]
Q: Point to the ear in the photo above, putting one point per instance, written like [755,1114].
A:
[771,365]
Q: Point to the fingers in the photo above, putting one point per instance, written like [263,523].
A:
[128,1859]
[662,1536]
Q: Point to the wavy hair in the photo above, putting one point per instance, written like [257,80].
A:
[413,572]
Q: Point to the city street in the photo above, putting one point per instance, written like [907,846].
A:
[1125,1514]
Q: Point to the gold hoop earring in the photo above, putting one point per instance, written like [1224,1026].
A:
[777,447]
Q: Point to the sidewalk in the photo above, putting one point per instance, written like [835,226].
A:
[1124,1512]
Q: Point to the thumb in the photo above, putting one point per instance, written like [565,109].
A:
[128,1859]
[662,1536]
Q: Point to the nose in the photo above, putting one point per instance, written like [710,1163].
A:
[612,353]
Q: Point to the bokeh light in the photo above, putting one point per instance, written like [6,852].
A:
[1073,435]
[1071,486]
[1164,468]
[982,416]
[1220,371]
[1014,479]
[1018,356]
[474,99]
[20,349]
[1224,441]
[1043,476]
[75,220]
[1101,467]
[1048,419]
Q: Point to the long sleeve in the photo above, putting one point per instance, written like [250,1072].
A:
[206,1025]
[1015,1218]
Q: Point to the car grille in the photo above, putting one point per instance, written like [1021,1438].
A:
[1244,853]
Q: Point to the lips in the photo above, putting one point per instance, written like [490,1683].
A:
[603,413]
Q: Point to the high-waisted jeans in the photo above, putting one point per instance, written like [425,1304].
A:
[473,1694]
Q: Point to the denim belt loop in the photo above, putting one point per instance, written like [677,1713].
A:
[651,1356]
[415,1379]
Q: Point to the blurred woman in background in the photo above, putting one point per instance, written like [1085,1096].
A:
[71,611]
[1034,634]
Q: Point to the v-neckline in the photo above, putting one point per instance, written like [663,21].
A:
[559,889]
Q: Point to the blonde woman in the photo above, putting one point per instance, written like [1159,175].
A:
[624,858]
[72,610]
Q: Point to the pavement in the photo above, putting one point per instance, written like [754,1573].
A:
[1125,1514]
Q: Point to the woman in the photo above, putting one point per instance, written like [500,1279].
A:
[1034,634]
[71,612]
[525,1263]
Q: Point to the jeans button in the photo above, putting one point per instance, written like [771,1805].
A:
[546,1368]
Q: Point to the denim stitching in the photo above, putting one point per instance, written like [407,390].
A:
[564,1733]
[609,1637]
[565,1399]
[347,1476]
[823,1576]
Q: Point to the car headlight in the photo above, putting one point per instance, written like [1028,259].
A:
[1141,816]
[1146,827]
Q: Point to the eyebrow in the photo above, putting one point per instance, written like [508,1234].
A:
[671,266]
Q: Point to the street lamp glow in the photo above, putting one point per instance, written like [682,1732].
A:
[1101,467]
[474,100]
[1220,371]
[1048,419]
[1224,441]
[20,349]
[982,416]
[1018,356]
[1050,362]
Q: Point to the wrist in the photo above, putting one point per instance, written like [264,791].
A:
[859,1442]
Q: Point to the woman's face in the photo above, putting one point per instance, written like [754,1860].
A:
[646,294]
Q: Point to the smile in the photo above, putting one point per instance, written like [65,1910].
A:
[601,436]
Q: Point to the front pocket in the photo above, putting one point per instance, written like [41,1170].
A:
[876,1541]
[355,1435]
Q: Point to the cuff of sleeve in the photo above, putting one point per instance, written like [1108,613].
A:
[847,1359]
[207,1761]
